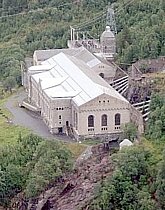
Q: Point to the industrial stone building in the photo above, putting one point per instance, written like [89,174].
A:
[70,88]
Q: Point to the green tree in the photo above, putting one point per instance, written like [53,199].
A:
[145,202]
[160,192]
[156,123]
[35,185]
[9,83]
[130,131]
[30,165]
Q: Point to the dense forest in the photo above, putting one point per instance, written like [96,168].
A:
[27,25]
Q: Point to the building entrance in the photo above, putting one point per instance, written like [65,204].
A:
[60,130]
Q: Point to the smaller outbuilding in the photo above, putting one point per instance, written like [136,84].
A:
[125,143]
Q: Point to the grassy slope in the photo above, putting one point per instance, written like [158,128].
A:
[76,148]
[9,132]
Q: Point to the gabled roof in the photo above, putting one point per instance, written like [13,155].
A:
[88,72]
[125,143]
[72,79]
[80,53]
[43,55]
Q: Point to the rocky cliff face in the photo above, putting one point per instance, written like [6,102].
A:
[74,191]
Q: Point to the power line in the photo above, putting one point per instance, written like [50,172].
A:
[99,16]
[25,11]
[126,4]
[89,22]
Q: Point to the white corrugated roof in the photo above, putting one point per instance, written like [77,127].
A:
[88,72]
[52,82]
[66,79]
[41,76]
[125,143]
[53,93]
[40,67]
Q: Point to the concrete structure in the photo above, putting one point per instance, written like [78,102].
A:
[71,96]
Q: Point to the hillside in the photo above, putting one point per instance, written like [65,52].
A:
[129,179]
[29,25]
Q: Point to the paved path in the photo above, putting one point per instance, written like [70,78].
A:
[28,119]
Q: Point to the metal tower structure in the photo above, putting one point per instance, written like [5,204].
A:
[110,20]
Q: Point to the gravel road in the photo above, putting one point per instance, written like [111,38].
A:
[27,119]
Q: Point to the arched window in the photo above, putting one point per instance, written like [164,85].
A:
[104,120]
[117,119]
[101,75]
[91,121]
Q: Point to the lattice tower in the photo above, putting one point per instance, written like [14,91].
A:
[110,20]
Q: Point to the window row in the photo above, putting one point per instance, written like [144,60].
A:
[60,108]
[104,129]
[91,120]
[91,129]
[104,101]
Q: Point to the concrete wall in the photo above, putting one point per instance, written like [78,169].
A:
[33,92]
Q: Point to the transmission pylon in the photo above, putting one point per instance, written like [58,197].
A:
[110,20]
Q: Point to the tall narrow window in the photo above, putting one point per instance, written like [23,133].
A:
[59,117]
[117,119]
[104,120]
[90,121]
[76,120]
